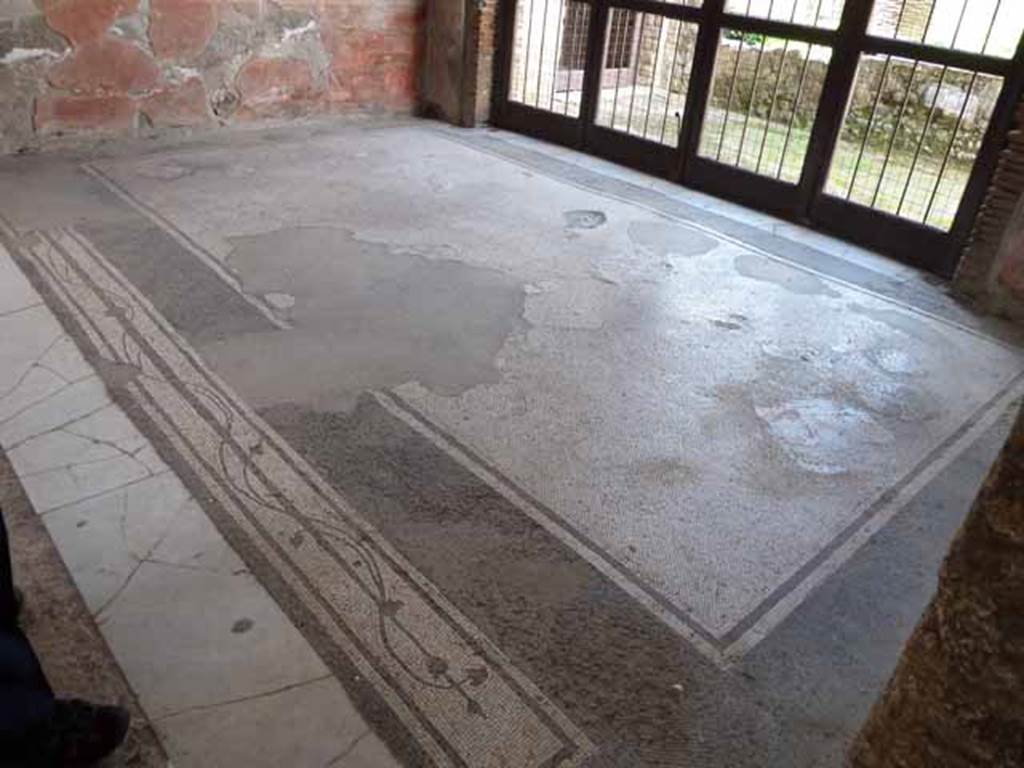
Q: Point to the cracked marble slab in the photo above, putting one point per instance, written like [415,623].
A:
[221,636]
[104,540]
[304,717]
[16,294]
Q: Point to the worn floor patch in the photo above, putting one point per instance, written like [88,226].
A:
[364,316]
[184,290]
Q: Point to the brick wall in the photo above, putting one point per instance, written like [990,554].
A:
[121,66]
[991,271]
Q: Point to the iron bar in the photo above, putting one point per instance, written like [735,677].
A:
[755,25]
[949,149]
[867,128]
[991,26]
[959,24]
[579,43]
[728,102]
[928,23]
[943,56]
[540,59]
[750,106]
[654,73]
[899,19]
[680,29]
[775,97]
[559,42]
[613,14]
[796,106]
[634,60]
[817,13]
[526,57]
[920,143]
[895,132]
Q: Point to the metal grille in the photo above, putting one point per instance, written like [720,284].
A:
[621,39]
[762,103]
[910,137]
[574,37]
[646,96]
[991,27]
[729,97]
[811,13]
[549,53]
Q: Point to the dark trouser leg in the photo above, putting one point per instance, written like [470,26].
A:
[8,606]
[26,700]
[25,696]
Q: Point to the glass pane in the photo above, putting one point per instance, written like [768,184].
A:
[811,13]
[910,137]
[993,27]
[549,52]
[762,105]
[645,75]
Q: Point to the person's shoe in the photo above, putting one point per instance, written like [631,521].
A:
[11,614]
[86,733]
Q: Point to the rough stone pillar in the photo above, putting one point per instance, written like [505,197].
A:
[460,60]
[480,51]
[991,270]
[956,699]
[444,68]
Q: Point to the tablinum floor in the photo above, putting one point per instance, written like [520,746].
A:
[547,464]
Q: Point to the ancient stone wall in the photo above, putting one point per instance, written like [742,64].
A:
[992,268]
[74,67]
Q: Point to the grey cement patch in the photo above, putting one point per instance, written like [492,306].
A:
[182,288]
[572,304]
[814,432]
[910,325]
[584,219]
[663,240]
[279,301]
[795,281]
[41,193]
[365,316]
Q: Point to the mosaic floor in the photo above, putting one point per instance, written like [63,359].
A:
[480,453]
